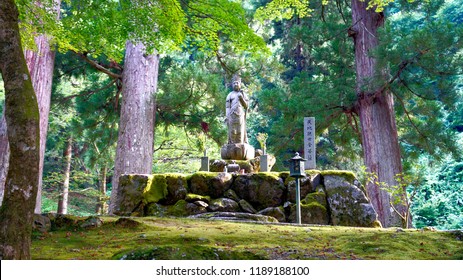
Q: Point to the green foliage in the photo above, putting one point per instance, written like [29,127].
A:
[438,202]
[422,47]
[262,139]
[317,82]
[283,9]
[191,97]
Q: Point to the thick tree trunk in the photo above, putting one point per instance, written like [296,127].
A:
[4,155]
[134,152]
[40,63]
[101,206]
[64,194]
[22,117]
[376,113]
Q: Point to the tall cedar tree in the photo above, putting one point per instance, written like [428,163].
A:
[134,152]
[376,113]
[40,63]
[22,118]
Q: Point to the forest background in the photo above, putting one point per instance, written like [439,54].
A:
[304,68]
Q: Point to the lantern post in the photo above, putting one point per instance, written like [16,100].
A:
[297,170]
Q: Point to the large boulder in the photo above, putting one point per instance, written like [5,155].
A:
[177,187]
[262,190]
[308,184]
[213,184]
[132,190]
[348,204]
[314,210]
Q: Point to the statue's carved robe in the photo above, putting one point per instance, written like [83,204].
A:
[236,107]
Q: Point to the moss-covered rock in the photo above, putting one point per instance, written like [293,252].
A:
[197,207]
[313,210]
[232,195]
[166,188]
[177,188]
[219,165]
[348,176]
[191,197]
[156,189]
[178,210]
[132,192]
[155,209]
[211,184]
[65,222]
[276,212]
[91,222]
[305,187]
[127,223]
[223,205]
[262,190]
[246,207]
[348,204]
[42,223]
[183,209]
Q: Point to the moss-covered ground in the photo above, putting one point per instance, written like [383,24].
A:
[166,238]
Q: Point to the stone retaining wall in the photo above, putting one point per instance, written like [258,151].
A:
[327,197]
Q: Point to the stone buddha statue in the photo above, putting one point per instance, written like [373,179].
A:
[236,110]
[236,106]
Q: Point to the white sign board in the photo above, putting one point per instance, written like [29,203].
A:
[309,142]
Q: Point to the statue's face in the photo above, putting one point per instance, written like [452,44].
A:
[236,85]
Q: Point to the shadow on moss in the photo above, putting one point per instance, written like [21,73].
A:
[195,252]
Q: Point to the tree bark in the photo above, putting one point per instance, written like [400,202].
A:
[376,113]
[41,64]
[64,194]
[4,155]
[134,152]
[101,205]
[22,118]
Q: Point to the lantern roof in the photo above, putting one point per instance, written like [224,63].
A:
[298,158]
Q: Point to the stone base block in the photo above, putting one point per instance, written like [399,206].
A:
[237,151]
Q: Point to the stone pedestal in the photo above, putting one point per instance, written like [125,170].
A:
[204,164]
[237,151]
[264,163]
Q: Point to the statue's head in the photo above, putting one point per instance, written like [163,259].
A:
[236,82]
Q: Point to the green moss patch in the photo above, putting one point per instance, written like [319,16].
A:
[195,252]
[191,197]
[202,238]
[348,175]
[156,189]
